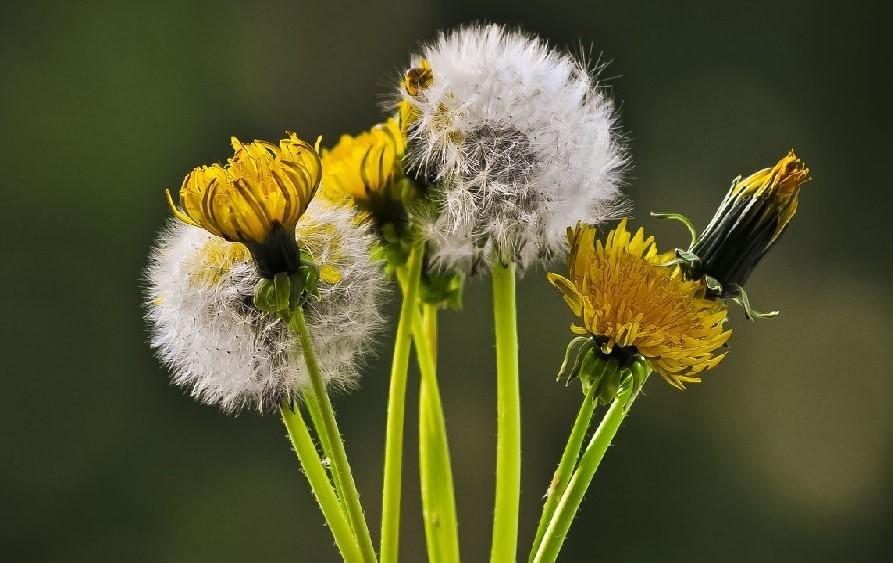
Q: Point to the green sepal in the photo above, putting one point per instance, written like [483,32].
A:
[584,352]
[284,293]
[688,262]
[392,248]
[591,367]
[273,296]
[446,288]
[714,286]
[306,280]
[740,297]
[682,219]
[575,347]
[610,381]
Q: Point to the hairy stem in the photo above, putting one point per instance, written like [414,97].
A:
[573,495]
[320,485]
[565,466]
[330,425]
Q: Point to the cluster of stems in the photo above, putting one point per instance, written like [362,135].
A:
[328,471]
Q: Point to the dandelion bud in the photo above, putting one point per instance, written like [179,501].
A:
[223,349]
[514,141]
[751,218]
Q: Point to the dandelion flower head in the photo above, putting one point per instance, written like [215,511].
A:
[255,199]
[628,301]
[516,140]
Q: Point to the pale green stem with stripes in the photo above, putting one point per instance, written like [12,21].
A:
[573,495]
[393,461]
[436,476]
[316,417]
[330,426]
[508,417]
[320,485]
[565,466]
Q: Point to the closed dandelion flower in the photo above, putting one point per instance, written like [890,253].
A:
[752,217]
[256,199]
[228,353]
[368,170]
[516,140]
[630,305]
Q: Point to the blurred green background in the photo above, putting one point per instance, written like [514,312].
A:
[784,453]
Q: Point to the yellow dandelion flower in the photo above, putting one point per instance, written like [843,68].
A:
[630,304]
[256,199]
[753,215]
[364,167]
[261,186]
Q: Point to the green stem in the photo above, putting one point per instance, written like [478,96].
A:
[436,476]
[508,417]
[393,461]
[429,324]
[316,417]
[565,466]
[320,485]
[573,495]
[339,456]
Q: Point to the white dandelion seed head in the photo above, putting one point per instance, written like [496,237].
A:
[205,327]
[518,142]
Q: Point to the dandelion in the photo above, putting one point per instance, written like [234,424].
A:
[631,305]
[637,315]
[368,169]
[750,220]
[752,217]
[228,353]
[515,141]
[256,199]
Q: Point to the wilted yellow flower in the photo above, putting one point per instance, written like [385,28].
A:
[262,187]
[630,303]
[750,219]
[365,167]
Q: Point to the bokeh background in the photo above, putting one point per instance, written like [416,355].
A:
[784,453]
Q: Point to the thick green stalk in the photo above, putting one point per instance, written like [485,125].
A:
[436,475]
[339,456]
[508,417]
[319,483]
[565,466]
[393,461]
[573,495]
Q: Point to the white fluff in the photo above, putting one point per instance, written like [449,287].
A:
[518,142]
[226,352]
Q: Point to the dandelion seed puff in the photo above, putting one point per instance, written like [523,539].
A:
[517,141]
[222,349]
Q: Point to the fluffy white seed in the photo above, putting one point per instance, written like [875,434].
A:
[517,141]
[227,353]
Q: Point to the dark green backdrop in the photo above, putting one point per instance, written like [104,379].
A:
[783,454]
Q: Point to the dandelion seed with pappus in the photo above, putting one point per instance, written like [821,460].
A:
[228,353]
[516,142]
